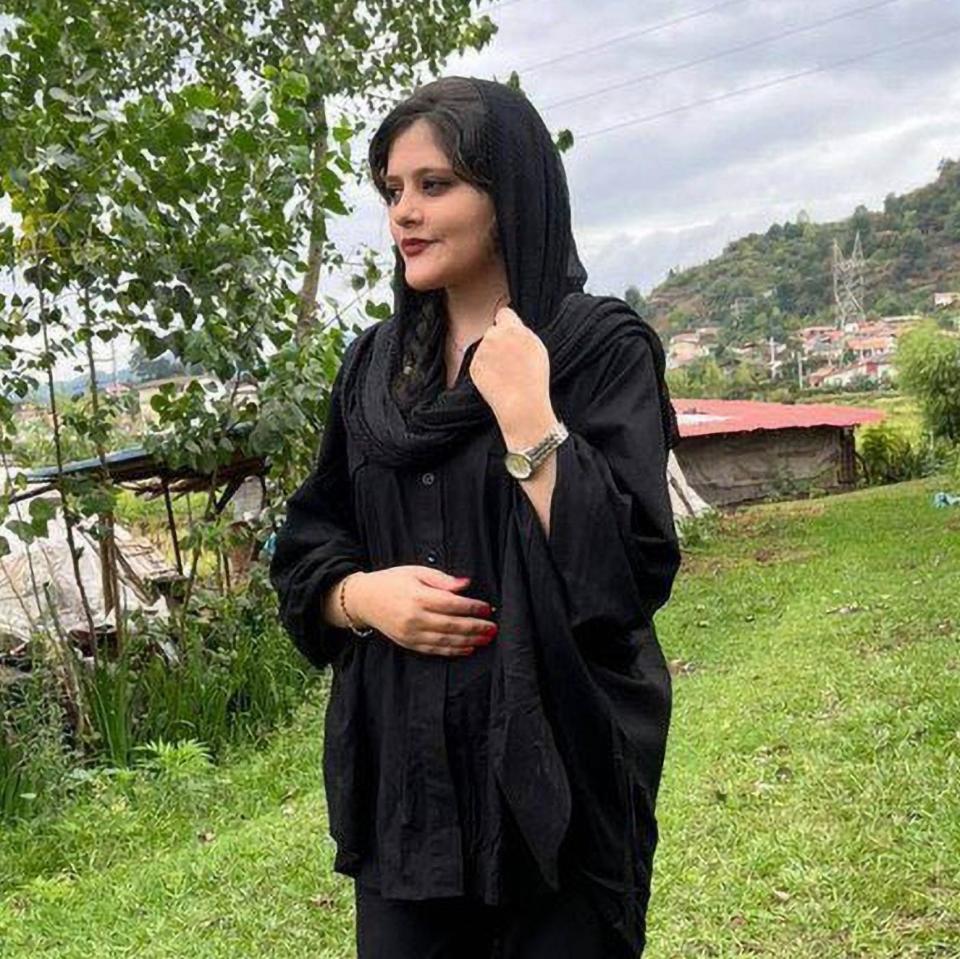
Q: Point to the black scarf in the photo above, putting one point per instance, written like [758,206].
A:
[546,761]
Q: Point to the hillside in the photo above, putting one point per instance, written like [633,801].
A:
[778,281]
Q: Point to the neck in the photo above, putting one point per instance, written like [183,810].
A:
[470,304]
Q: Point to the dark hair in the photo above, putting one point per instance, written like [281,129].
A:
[456,112]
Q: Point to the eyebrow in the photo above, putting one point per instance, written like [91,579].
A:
[423,169]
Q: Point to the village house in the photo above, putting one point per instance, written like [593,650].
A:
[945,299]
[878,368]
[684,348]
[866,346]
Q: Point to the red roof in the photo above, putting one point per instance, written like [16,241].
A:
[699,417]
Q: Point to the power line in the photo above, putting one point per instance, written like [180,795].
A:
[620,38]
[803,28]
[768,83]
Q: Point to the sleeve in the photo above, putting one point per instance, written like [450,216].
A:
[317,545]
[612,534]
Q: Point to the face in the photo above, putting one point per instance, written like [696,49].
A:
[427,200]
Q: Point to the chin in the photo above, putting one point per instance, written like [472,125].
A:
[422,284]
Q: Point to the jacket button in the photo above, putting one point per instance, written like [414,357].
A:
[427,479]
[431,557]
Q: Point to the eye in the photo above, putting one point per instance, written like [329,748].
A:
[428,185]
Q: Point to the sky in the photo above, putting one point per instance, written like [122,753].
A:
[697,122]
[673,190]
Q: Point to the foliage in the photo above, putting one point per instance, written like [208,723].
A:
[928,364]
[235,677]
[889,455]
[168,174]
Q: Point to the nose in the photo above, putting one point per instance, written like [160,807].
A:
[405,211]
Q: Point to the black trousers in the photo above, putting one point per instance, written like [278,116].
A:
[560,926]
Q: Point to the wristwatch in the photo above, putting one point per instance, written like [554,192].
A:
[522,464]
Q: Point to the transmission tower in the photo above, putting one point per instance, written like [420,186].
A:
[848,284]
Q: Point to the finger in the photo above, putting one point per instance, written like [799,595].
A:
[436,649]
[458,626]
[454,640]
[442,601]
[438,579]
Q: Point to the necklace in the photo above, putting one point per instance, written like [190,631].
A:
[462,349]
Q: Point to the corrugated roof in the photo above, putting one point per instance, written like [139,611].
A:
[701,417]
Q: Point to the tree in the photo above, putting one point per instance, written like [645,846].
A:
[172,169]
[928,366]
[635,300]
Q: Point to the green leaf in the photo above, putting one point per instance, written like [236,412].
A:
[295,85]
[199,97]
[379,311]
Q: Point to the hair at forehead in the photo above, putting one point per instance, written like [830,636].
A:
[456,116]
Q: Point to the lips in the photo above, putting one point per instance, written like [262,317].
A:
[412,247]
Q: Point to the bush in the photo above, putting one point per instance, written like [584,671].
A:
[889,456]
[234,677]
[928,362]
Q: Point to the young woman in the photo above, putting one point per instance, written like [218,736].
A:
[479,554]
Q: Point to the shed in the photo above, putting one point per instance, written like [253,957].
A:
[743,451]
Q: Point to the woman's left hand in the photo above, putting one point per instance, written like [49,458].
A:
[511,370]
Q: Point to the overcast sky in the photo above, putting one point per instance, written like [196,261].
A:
[670,186]
[673,190]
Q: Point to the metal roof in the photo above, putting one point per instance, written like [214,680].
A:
[707,417]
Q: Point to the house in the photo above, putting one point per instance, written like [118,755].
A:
[741,451]
[684,348]
[945,299]
[876,367]
[865,346]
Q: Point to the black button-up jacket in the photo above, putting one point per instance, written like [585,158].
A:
[406,760]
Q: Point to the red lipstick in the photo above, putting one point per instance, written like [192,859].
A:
[413,247]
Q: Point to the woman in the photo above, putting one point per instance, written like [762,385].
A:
[479,554]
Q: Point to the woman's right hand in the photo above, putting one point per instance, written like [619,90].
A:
[417,607]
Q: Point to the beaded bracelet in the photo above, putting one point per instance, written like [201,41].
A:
[364,631]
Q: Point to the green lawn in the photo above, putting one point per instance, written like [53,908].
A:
[810,808]
[901,410]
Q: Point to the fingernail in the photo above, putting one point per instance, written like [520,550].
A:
[490,631]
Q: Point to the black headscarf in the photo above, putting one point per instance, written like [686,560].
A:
[546,280]
[573,771]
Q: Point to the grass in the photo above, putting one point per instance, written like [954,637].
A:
[810,805]
[901,410]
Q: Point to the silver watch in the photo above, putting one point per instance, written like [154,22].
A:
[522,464]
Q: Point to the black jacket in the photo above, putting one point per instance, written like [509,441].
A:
[414,805]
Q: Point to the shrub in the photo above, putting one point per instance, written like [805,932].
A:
[889,456]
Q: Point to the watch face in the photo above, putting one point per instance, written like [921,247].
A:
[518,465]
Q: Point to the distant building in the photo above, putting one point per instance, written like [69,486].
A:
[878,368]
[945,299]
[33,413]
[684,348]
[867,346]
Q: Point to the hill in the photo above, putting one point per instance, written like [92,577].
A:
[772,283]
